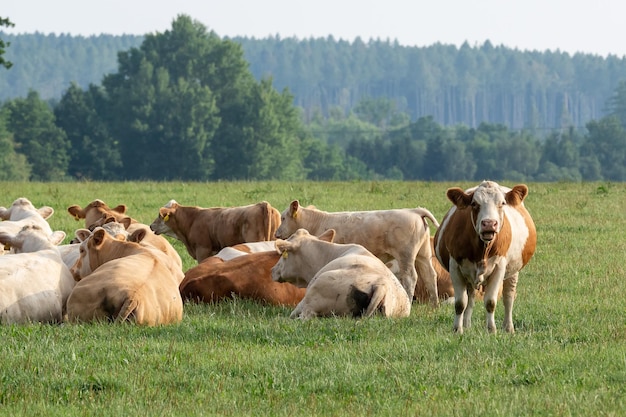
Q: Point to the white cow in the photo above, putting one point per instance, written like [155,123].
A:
[22,213]
[35,282]
[340,279]
[400,234]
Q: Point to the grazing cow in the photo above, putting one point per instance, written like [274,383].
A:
[34,282]
[120,280]
[248,276]
[485,239]
[205,231]
[400,234]
[22,213]
[96,211]
[340,279]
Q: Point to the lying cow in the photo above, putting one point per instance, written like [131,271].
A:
[35,282]
[231,252]
[96,211]
[341,279]
[121,280]
[400,234]
[248,276]
[22,213]
[484,240]
[205,231]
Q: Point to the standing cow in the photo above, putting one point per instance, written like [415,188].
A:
[485,239]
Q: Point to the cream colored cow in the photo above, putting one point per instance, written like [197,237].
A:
[340,279]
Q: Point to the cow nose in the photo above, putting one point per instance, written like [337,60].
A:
[489,224]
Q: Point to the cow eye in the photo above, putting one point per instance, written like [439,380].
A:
[475,205]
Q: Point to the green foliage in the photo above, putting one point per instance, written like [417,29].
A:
[13,165]
[34,131]
[239,357]
[3,62]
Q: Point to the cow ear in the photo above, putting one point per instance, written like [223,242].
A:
[45,211]
[293,208]
[7,240]
[166,212]
[120,209]
[76,211]
[327,236]
[98,236]
[281,246]
[138,235]
[82,234]
[458,197]
[57,237]
[126,221]
[516,195]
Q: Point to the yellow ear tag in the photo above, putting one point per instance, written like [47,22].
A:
[295,215]
[76,217]
[166,218]
[284,255]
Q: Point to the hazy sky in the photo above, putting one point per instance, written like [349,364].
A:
[596,26]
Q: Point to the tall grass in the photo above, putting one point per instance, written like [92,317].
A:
[567,357]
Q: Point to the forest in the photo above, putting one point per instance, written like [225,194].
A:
[188,104]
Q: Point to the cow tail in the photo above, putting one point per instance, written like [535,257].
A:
[269,226]
[377,301]
[426,214]
[127,310]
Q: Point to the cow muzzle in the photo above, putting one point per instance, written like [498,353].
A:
[488,230]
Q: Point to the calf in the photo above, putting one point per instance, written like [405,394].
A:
[484,240]
[400,234]
[121,280]
[205,231]
[341,279]
[35,283]
[248,276]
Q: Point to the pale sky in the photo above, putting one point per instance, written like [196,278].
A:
[596,26]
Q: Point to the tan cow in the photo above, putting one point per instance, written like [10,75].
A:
[400,234]
[96,211]
[248,277]
[484,240]
[121,280]
[34,282]
[341,279]
[205,231]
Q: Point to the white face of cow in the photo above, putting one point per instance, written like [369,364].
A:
[289,266]
[487,211]
[288,221]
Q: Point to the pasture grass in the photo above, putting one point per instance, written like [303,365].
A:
[567,357]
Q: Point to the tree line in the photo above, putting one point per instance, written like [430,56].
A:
[185,105]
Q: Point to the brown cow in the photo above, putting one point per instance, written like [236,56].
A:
[484,240]
[120,281]
[248,276]
[205,231]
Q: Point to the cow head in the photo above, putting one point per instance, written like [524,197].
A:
[167,214]
[486,203]
[288,221]
[95,211]
[291,264]
[22,208]
[31,238]
[91,254]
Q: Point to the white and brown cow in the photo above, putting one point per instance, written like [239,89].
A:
[120,280]
[205,231]
[340,279]
[400,234]
[485,239]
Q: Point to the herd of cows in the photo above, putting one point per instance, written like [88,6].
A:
[321,263]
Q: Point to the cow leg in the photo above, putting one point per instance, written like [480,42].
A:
[509,291]
[297,311]
[491,300]
[460,297]
[407,276]
[471,294]
[426,272]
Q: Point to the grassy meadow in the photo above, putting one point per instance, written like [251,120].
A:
[240,358]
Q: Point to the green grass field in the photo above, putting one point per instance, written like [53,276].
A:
[567,357]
